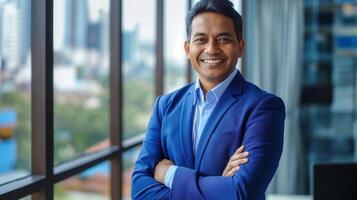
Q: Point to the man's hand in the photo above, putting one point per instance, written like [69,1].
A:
[238,158]
[161,169]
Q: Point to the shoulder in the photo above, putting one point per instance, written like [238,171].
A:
[259,97]
[174,97]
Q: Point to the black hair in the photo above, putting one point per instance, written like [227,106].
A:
[224,7]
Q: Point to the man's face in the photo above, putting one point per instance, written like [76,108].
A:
[213,48]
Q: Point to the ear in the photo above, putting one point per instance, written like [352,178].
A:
[241,47]
[187,49]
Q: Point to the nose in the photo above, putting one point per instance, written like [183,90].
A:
[212,47]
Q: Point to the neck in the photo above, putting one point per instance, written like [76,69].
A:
[208,85]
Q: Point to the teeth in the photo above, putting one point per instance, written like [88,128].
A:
[213,61]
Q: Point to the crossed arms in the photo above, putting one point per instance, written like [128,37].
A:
[263,139]
[238,158]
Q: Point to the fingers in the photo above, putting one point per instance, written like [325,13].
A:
[238,162]
[234,166]
[239,156]
[240,149]
[165,162]
[233,171]
[168,162]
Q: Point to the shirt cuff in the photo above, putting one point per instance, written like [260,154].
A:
[170,176]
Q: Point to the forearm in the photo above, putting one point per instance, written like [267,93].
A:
[144,186]
[189,184]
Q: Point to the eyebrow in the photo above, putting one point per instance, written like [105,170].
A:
[198,34]
[225,34]
[203,34]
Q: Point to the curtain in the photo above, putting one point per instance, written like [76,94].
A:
[273,60]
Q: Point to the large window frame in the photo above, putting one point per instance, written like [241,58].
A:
[44,175]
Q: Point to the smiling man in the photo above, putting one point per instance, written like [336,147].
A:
[193,147]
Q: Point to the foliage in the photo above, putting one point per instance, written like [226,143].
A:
[22,104]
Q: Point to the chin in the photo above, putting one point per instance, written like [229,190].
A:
[214,78]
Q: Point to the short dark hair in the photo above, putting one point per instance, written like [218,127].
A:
[224,7]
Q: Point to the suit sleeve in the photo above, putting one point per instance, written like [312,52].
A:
[263,139]
[144,186]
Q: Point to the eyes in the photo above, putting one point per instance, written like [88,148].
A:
[220,40]
[224,39]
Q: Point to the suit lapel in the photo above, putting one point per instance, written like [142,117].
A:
[186,120]
[229,97]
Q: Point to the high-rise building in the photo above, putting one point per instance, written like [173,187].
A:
[10,36]
[76,20]
[1,16]
[94,35]
[104,22]
[24,8]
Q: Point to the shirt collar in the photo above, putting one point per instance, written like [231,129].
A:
[214,93]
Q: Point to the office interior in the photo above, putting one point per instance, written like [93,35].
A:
[78,79]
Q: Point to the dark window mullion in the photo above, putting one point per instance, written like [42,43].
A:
[244,4]
[188,64]
[159,67]
[116,91]
[42,94]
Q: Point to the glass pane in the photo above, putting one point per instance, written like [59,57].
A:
[328,115]
[81,76]
[130,157]
[138,64]
[91,184]
[15,89]
[175,60]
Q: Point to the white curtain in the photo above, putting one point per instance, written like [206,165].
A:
[273,60]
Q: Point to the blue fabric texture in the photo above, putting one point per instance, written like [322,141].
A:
[244,114]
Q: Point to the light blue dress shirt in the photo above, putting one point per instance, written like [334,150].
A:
[204,105]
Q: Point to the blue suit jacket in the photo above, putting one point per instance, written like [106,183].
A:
[244,115]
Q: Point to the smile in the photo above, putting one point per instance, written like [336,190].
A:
[212,61]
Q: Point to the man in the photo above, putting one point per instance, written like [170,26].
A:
[190,149]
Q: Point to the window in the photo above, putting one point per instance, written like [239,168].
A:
[90,184]
[175,60]
[81,77]
[138,57]
[328,112]
[129,158]
[80,98]
[15,89]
